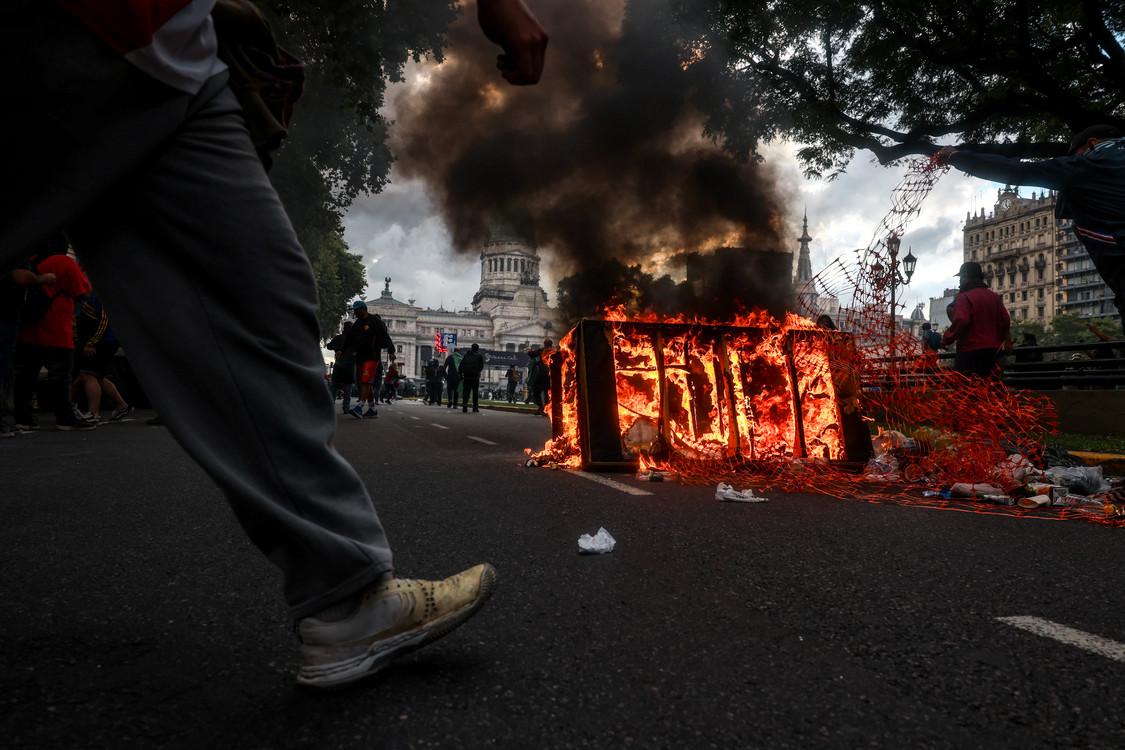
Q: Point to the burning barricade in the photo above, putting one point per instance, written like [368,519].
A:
[629,392]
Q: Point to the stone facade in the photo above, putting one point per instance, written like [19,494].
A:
[509,312]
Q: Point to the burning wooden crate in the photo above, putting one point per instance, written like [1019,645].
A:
[747,393]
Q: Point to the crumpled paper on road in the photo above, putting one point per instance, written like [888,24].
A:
[598,544]
[724,493]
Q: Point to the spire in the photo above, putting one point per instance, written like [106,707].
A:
[804,256]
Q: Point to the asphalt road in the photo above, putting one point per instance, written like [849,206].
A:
[135,613]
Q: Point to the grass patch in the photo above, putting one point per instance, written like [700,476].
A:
[1074,441]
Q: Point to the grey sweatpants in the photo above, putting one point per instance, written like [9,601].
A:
[181,233]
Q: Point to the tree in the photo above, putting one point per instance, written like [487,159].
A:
[337,147]
[340,276]
[1067,328]
[892,77]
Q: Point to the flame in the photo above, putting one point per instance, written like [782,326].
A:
[687,388]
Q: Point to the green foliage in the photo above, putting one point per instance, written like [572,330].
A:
[1072,329]
[340,276]
[892,77]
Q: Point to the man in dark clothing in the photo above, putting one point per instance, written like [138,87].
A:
[1028,341]
[472,365]
[343,370]
[452,380]
[433,382]
[513,380]
[1091,185]
[979,326]
[367,337]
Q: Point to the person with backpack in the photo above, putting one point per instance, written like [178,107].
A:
[96,347]
[472,365]
[46,339]
[14,283]
[124,131]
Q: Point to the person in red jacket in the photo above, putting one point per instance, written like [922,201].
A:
[49,341]
[979,325]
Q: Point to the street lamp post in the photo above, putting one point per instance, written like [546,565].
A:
[909,263]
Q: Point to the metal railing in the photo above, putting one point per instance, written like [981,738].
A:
[1099,364]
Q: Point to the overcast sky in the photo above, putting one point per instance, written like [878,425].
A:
[400,234]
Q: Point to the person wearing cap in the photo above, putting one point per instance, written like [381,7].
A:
[979,325]
[1090,181]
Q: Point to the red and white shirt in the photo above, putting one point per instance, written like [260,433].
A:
[171,40]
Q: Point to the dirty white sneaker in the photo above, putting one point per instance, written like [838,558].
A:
[392,618]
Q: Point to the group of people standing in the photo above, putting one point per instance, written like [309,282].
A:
[50,318]
[461,378]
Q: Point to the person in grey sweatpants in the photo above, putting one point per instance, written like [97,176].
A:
[169,208]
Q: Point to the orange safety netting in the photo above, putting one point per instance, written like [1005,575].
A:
[765,402]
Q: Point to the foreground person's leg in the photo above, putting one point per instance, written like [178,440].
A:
[203,277]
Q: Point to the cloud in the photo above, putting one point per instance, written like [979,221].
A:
[401,235]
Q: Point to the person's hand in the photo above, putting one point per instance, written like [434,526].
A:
[509,24]
[47,278]
[88,350]
[942,155]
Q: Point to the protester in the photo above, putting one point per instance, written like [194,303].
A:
[472,365]
[433,382]
[343,368]
[367,337]
[46,339]
[1027,341]
[1091,185]
[931,339]
[452,380]
[390,382]
[14,283]
[96,347]
[513,378]
[979,325]
[123,130]
[824,320]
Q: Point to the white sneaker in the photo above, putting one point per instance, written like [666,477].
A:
[392,618]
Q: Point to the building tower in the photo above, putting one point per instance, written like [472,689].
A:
[803,284]
[509,270]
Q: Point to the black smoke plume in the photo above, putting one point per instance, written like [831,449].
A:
[606,155]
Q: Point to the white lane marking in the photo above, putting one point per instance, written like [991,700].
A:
[419,419]
[620,486]
[481,440]
[1095,644]
[439,426]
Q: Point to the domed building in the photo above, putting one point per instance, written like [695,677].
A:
[509,311]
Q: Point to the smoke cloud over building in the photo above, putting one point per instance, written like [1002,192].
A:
[606,156]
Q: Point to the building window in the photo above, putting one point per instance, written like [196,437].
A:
[398,348]
[509,347]
[1039,310]
[1024,295]
[1040,292]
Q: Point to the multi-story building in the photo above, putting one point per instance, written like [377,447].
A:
[1017,245]
[1082,291]
[1033,261]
